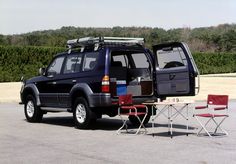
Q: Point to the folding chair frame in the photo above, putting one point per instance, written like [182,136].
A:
[126,125]
[212,116]
[218,126]
[132,110]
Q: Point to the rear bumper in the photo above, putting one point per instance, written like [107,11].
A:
[100,99]
[105,100]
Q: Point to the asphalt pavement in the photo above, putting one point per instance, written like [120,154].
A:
[55,140]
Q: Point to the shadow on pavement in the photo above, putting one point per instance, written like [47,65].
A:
[177,126]
[167,134]
[100,124]
[59,121]
[110,124]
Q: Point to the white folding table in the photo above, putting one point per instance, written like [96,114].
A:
[170,110]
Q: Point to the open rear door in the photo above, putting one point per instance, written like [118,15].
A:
[175,70]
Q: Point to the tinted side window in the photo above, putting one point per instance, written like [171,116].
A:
[120,59]
[55,66]
[140,60]
[73,63]
[90,61]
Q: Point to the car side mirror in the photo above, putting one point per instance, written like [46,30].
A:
[42,71]
[51,73]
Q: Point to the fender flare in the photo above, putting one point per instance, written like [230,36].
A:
[84,89]
[32,88]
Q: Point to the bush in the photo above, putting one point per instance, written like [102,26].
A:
[17,61]
[211,63]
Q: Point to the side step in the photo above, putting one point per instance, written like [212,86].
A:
[52,109]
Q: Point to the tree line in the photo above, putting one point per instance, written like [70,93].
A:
[214,48]
[17,61]
[221,38]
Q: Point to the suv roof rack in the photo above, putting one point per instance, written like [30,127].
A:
[96,41]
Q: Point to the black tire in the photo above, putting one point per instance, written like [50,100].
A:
[32,112]
[82,114]
[135,121]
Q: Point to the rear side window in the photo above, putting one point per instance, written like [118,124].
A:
[140,60]
[130,59]
[120,60]
[90,61]
[73,63]
[169,58]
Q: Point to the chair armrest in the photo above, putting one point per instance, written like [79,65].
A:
[140,106]
[115,103]
[201,107]
[126,110]
[220,108]
[128,107]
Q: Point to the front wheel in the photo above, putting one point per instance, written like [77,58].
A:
[32,112]
[82,114]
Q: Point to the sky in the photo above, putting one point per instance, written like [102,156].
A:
[22,16]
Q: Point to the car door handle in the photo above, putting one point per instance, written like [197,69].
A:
[73,81]
[172,76]
[52,82]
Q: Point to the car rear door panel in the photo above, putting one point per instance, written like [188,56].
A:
[173,70]
[172,81]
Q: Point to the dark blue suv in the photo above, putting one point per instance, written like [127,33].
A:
[88,78]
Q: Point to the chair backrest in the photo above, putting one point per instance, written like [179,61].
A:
[218,100]
[125,99]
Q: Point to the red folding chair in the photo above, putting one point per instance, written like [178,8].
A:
[217,108]
[127,108]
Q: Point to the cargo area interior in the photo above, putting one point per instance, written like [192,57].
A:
[130,73]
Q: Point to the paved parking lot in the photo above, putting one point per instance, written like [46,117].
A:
[55,140]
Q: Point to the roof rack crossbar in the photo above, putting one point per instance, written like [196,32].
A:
[89,41]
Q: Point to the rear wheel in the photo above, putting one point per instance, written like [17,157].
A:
[82,114]
[32,112]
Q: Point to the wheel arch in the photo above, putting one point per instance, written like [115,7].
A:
[80,90]
[31,89]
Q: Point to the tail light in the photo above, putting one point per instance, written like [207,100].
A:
[106,84]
